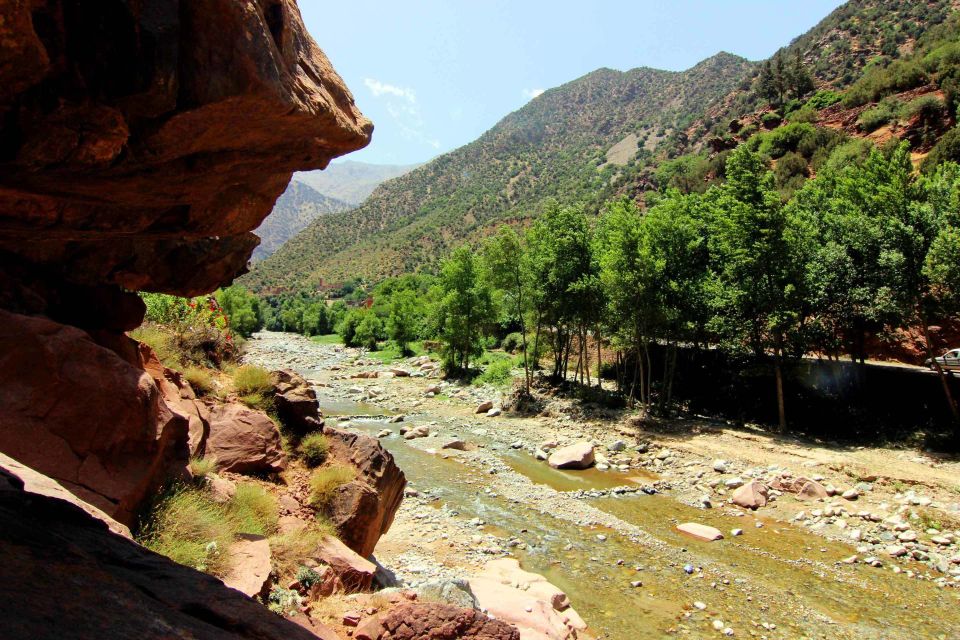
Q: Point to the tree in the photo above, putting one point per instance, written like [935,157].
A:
[242,308]
[507,268]
[757,265]
[464,310]
[369,330]
[402,320]
[799,79]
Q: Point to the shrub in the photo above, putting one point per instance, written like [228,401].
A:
[878,82]
[787,138]
[823,99]
[790,172]
[314,449]
[283,601]
[307,577]
[202,467]
[804,114]
[497,373]
[873,119]
[926,108]
[512,342]
[946,149]
[200,380]
[190,528]
[853,152]
[253,509]
[161,342]
[326,480]
[250,379]
[771,120]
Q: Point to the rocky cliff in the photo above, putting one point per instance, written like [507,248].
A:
[140,144]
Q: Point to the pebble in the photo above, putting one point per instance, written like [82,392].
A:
[720,466]
[850,494]
[700,605]
[736,532]
[718,624]
[688,568]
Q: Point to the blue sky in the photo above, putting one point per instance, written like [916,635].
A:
[433,75]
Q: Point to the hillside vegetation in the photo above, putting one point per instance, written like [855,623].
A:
[613,133]
[295,209]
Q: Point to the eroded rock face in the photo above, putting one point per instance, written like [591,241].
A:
[296,403]
[140,143]
[432,621]
[85,416]
[68,576]
[363,510]
[242,440]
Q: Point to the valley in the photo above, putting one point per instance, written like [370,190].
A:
[791,571]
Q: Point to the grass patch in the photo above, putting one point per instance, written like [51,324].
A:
[191,529]
[325,481]
[200,379]
[161,342]
[253,510]
[288,550]
[258,401]
[498,373]
[202,467]
[314,449]
[388,352]
[332,338]
[250,379]
[936,519]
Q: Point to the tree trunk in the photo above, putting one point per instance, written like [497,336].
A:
[781,410]
[599,361]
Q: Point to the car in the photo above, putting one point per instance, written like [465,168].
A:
[949,361]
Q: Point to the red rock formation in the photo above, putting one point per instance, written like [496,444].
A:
[146,140]
[431,621]
[243,440]
[363,510]
[67,576]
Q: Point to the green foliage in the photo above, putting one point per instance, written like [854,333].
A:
[307,577]
[250,379]
[283,602]
[465,310]
[190,528]
[314,449]
[879,82]
[325,481]
[331,338]
[369,331]
[947,149]
[498,373]
[823,99]
[253,510]
[402,322]
[781,78]
[883,113]
[512,342]
[242,308]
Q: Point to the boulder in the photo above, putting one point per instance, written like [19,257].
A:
[353,573]
[249,571]
[85,416]
[574,456]
[399,373]
[508,571]
[454,443]
[296,403]
[420,431]
[453,592]
[483,407]
[752,495]
[701,531]
[219,488]
[533,617]
[435,621]
[810,490]
[76,579]
[243,440]
[362,516]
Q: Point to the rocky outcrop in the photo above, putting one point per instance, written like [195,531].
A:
[249,566]
[66,575]
[348,571]
[85,416]
[141,143]
[243,440]
[363,510]
[296,403]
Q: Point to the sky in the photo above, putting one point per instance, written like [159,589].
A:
[435,74]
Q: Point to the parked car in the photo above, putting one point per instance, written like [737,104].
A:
[950,361]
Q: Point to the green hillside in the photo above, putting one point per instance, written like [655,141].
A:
[295,209]
[601,135]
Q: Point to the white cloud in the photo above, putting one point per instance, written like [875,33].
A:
[530,94]
[401,105]
[378,89]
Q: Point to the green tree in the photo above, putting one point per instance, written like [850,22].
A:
[464,310]
[369,331]
[402,320]
[758,264]
[242,308]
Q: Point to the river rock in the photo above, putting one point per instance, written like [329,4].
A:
[508,571]
[249,565]
[485,406]
[574,456]
[493,413]
[243,440]
[452,592]
[752,495]
[399,373]
[434,389]
[419,431]
[720,466]
[454,443]
[810,490]
[701,531]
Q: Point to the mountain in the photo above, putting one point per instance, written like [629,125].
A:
[352,181]
[601,135]
[296,208]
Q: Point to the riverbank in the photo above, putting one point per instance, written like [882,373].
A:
[823,568]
